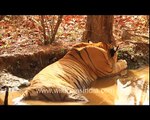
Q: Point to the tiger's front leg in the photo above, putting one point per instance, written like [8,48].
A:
[119,66]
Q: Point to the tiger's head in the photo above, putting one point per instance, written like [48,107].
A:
[100,57]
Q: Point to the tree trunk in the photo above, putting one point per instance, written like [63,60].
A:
[99,28]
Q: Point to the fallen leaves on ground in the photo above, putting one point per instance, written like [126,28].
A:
[26,30]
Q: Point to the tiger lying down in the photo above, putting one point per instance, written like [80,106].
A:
[62,80]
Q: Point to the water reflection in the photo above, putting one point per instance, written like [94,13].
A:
[135,89]
[129,89]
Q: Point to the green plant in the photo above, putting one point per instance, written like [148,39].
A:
[62,50]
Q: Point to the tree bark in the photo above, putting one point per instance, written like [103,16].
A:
[99,29]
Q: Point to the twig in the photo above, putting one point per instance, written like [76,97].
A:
[44,32]
[56,28]
[38,23]
[49,31]
[52,26]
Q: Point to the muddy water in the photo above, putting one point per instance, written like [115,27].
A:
[110,92]
[125,89]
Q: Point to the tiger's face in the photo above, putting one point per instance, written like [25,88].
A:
[100,57]
[112,50]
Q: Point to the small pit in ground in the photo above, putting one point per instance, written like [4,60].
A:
[26,61]
[22,64]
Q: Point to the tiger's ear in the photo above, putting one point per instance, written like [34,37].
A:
[113,51]
[116,48]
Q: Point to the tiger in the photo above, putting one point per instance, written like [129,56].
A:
[82,64]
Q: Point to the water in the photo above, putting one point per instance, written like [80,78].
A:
[129,89]
[125,89]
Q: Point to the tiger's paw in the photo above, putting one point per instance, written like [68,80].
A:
[83,99]
[123,64]
[17,101]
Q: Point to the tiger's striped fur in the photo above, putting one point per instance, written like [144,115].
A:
[84,63]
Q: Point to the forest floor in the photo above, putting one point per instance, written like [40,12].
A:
[22,52]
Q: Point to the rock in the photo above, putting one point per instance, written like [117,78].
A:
[14,82]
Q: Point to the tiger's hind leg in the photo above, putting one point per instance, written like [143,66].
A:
[52,94]
[18,101]
[72,95]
